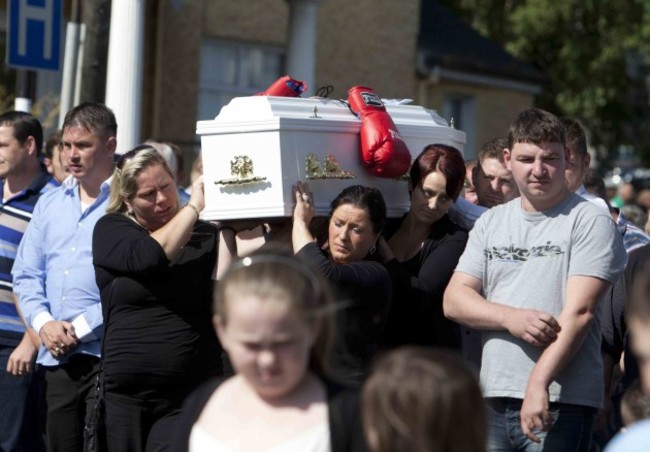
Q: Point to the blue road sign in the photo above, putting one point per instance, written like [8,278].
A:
[34,34]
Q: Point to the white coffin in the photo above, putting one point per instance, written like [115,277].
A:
[280,136]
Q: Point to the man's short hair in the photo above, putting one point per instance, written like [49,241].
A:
[536,126]
[55,139]
[576,140]
[595,184]
[493,149]
[24,126]
[93,117]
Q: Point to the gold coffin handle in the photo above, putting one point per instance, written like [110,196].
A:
[330,169]
[241,168]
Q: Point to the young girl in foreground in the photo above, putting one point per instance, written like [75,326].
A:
[273,317]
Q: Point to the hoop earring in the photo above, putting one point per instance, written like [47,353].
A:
[372,250]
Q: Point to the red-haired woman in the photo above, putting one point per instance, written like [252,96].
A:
[422,251]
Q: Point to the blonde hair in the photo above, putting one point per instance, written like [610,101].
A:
[124,184]
[423,400]
[279,275]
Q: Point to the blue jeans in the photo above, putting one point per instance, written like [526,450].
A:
[571,430]
[21,408]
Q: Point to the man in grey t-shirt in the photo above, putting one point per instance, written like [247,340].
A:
[531,278]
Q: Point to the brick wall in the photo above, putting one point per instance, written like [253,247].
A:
[359,42]
[495,108]
[368,42]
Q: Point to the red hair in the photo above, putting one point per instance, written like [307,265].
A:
[442,158]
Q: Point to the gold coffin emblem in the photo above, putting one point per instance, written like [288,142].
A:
[329,170]
[241,168]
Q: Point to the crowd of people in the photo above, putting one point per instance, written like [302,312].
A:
[508,308]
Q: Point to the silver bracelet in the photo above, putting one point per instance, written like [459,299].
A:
[193,207]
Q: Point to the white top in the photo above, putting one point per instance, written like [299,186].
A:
[635,439]
[315,439]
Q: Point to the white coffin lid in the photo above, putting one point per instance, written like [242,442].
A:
[278,133]
[256,113]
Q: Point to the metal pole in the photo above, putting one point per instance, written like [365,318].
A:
[78,77]
[25,82]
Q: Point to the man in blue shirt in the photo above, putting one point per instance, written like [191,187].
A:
[23,180]
[54,278]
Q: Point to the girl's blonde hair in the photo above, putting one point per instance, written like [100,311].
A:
[278,275]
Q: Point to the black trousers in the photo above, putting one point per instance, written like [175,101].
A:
[70,396]
[142,408]
[137,425]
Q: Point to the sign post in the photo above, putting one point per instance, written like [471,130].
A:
[34,34]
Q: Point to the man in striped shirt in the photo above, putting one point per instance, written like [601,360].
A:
[23,180]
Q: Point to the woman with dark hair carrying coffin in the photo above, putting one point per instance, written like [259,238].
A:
[347,260]
[422,250]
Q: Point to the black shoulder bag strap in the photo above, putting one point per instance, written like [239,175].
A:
[94,430]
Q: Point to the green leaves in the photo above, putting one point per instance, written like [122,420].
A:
[594,52]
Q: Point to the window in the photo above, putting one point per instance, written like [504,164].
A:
[462,110]
[230,69]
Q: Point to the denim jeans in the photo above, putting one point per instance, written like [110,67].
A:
[21,408]
[571,430]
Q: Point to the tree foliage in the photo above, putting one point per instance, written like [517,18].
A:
[593,51]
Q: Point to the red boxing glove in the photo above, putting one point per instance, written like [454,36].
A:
[285,87]
[382,150]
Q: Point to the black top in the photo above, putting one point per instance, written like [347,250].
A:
[346,429]
[363,290]
[159,338]
[416,315]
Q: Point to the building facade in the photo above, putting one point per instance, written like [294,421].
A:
[198,54]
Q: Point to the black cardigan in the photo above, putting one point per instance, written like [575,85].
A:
[363,292]
[419,283]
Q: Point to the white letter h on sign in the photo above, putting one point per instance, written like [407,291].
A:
[42,14]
